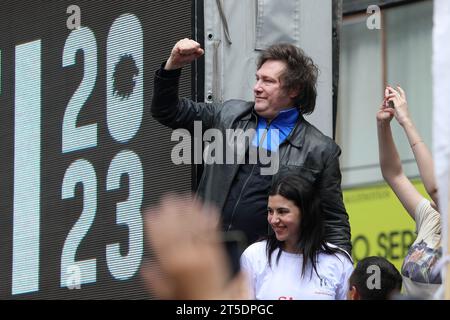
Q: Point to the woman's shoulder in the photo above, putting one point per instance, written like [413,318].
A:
[338,255]
[256,248]
[254,257]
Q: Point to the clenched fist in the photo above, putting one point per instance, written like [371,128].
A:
[184,52]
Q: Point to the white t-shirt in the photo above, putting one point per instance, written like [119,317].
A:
[284,281]
[419,278]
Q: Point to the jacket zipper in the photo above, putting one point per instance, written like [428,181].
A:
[248,178]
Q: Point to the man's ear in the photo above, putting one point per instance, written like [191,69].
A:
[293,93]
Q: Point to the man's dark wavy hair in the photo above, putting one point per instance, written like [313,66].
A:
[301,73]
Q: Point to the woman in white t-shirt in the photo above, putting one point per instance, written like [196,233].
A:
[295,262]
[420,279]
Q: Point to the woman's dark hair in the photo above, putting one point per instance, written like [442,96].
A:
[311,230]
[301,73]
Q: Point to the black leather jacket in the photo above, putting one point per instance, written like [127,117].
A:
[306,152]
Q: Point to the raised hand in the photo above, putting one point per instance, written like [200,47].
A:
[398,98]
[386,113]
[191,261]
[184,52]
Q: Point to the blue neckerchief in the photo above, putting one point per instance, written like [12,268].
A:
[277,131]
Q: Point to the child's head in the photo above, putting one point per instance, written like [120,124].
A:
[374,278]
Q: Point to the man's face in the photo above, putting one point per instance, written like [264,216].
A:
[270,97]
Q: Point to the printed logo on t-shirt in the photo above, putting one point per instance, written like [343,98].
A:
[326,287]
[324,282]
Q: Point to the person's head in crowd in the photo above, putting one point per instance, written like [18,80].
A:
[286,77]
[294,213]
[374,278]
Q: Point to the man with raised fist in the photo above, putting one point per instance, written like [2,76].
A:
[284,91]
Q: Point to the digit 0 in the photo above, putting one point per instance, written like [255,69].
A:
[125,78]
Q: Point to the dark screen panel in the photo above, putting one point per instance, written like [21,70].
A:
[81,154]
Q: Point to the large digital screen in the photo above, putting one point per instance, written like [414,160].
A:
[80,153]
